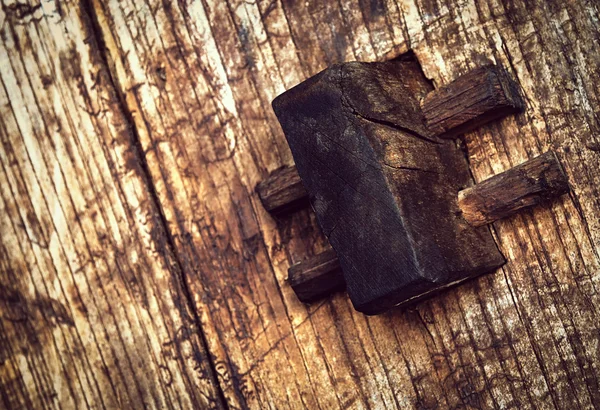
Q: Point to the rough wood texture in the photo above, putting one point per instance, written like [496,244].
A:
[473,99]
[528,184]
[282,191]
[198,79]
[384,188]
[316,277]
[92,309]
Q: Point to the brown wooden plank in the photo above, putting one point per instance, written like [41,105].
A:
[525,337]
[93,313]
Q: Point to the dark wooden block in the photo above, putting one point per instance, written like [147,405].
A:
[316,277]
[504,194]
[382,184]
[478,97]
[528,184]
[282,191]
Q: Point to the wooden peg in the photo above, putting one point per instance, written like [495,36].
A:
[476,98]
[316,277]
[282,191]
[535,181]
[525,185]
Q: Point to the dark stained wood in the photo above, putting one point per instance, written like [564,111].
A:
[476,98]
[282,191]
[382,185]
[316,277]
[528,184]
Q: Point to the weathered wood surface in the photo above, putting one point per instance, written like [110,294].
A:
[197,80]
[530,183]
[383,186]
[92,309]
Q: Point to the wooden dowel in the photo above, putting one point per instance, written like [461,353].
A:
[316,277]
[282,191]
[525,185]
[476,98]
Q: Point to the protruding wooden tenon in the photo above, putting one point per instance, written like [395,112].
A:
[282,191]
[316,277]
[476,98]
[525,185]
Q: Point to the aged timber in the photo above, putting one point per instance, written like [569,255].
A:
[282,191]
[316,277]
[503,195]
[526,338]
[476,98]
[528,184]
[382,184]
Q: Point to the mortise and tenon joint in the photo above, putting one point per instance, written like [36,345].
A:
[392,194]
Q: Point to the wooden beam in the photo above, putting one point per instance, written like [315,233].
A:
[526,340]
[476,98]
[529,340]
[525,185]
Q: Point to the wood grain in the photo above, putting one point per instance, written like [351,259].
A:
[93,312]
[537,180]
[509,339]
[197,80]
